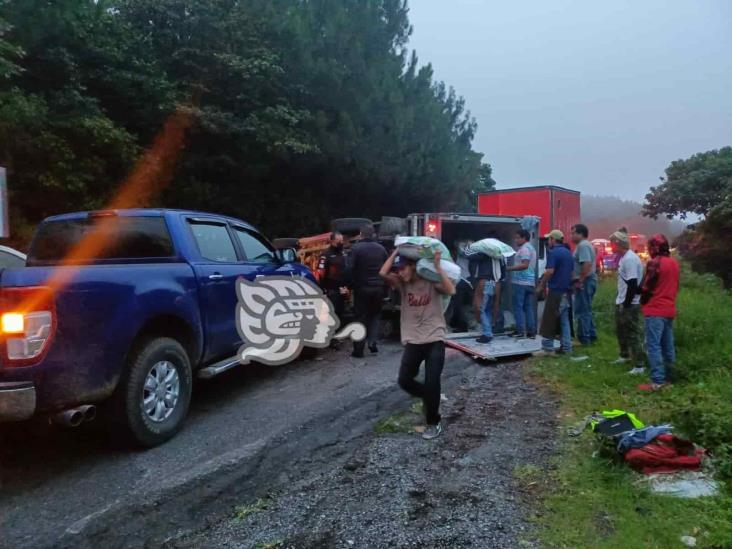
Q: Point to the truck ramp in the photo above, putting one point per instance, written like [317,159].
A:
[501,345]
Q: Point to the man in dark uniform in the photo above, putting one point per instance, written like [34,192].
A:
[367,257]
[332,274]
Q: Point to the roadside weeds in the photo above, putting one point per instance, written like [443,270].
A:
[243,511]
[590,498]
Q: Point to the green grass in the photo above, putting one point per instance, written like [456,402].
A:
[527,474]
[395,423]
[591,499]
[243,511]
[401,422]
[269,545]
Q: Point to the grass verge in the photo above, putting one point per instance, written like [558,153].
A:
[243,511]
[592,499]
[401,422]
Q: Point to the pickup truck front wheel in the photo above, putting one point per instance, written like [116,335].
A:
[155,396]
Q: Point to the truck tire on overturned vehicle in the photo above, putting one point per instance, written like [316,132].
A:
[349,225]
[154,395]
[284,243]
[392,226]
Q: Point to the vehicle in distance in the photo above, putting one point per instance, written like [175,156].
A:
[11,258]
[123,307]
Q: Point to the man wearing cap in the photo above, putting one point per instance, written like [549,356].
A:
[627,302]
[558,277]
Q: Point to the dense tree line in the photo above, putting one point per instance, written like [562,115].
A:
[300,110]
[701,185]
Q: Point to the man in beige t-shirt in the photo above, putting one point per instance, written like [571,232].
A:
[423,331]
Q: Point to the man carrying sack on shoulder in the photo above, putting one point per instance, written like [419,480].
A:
[423,331]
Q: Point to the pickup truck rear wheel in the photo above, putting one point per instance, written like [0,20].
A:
[155,395]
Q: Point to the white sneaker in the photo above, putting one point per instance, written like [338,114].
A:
[637,371]
[621,360]
[432,431]
[443,397]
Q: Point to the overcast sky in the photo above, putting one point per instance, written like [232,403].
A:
[597,96]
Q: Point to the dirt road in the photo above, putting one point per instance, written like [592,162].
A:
[290,456]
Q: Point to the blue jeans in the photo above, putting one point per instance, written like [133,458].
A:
[524,309]
[486,309]
[583,297]
[565,330]
[660,347]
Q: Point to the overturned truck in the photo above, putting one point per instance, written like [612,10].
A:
[453,229]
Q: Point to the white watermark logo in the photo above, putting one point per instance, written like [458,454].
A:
[279,315]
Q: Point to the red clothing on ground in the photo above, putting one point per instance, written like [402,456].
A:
[663,293]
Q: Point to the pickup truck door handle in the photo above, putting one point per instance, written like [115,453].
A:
[215,276]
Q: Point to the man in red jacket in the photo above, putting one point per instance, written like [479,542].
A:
[658,303]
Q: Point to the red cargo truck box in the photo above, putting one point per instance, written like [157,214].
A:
[557,207]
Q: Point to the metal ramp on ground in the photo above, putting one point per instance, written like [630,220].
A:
[500,347]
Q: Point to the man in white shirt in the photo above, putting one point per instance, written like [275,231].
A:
[627,303]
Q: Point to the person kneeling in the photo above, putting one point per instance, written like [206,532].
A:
[423,331]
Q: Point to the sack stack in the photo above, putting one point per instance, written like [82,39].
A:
[491,247]
[423,249]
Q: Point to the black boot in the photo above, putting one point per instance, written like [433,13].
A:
[358,347]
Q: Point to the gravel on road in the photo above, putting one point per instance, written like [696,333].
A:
[320,453]
[387,487]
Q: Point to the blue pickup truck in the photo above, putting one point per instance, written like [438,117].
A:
[125,307]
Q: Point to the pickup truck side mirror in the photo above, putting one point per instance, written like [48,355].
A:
[287,255]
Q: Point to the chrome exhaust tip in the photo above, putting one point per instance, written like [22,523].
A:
[69,418]
[89,411]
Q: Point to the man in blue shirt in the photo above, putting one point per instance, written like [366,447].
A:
[558,277]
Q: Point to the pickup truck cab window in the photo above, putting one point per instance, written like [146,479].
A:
[122,237]
[214,242]
[255,249]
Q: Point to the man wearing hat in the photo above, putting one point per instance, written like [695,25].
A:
[627,302]
[558,277]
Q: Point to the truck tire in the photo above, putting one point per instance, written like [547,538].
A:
[349,225]
[284,243]
[154,395]
[392,226]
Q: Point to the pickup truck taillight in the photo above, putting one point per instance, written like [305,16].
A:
[28,322]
